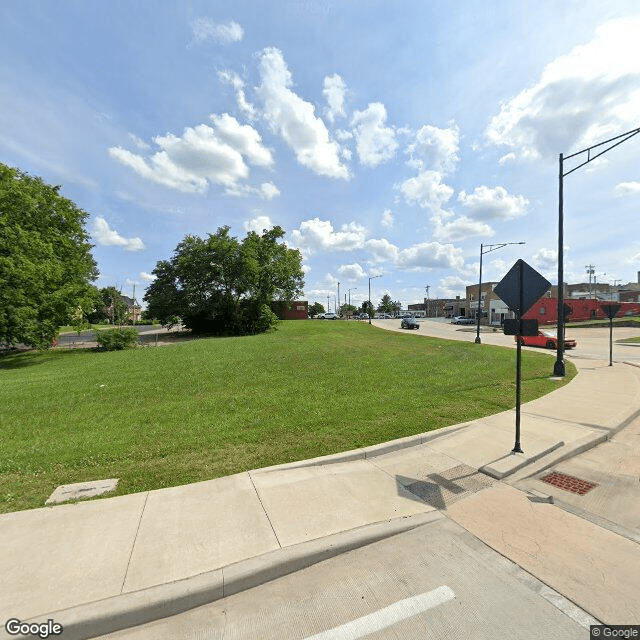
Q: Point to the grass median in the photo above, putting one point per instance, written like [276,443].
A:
[164,416]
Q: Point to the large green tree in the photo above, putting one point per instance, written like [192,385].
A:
[223,286]
[46,266]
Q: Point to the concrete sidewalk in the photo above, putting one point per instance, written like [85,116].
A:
[103,565]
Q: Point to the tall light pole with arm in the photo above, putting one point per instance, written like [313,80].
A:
[558,367]
[486,248]
[370,279]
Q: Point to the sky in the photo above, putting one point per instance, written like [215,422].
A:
[388,139]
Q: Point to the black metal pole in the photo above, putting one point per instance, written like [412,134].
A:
[516,446]
[558,368]
[478,341]
[610,342]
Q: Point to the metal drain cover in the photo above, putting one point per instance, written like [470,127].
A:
[568,483]
[446,487]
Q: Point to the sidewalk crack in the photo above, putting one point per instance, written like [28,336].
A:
[135,538]
[263,508]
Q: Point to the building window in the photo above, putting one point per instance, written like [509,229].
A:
[542,311]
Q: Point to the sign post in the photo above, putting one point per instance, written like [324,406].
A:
[519,290]
[610,310]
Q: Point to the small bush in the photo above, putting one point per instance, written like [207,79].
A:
[117,339]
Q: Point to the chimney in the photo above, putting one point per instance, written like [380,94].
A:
[638,277]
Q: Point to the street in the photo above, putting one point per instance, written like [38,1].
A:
[437,581]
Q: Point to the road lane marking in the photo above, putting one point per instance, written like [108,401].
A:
[388,616]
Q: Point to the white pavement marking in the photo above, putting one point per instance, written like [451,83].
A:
[384,618]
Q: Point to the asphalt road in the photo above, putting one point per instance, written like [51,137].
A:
[593,343]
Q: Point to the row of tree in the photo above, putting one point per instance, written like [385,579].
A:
[387,305]
[216,285]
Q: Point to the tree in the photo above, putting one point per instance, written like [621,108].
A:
[386,304]
[221,286]
[348,310]
[367,308]
[315,309]
[46,266]
[110,307]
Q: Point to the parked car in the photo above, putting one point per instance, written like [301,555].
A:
[409,323]
[463,320]
[330,316]
[545,339]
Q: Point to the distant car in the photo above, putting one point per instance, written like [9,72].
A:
[545,339]
[462,320]
[409,323]
[330,316]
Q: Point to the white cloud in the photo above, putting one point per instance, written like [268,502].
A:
[627,189]
[459,228]
[334,91]
[229,77]
[387,218]
[105,236]
[545,259]
[452,286]
[486,203]
[435,148]
[243,138]
[201,155]
[258,224]
[427,190]
[382,250]
[430,255]
[147,277]
[352,272]
[589,94]
[375,142]
[425,255]
[139,142]
[315,235]
[224,33]
[294,119]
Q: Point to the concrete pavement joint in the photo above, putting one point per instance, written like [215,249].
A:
[133,546]
[135,608]
[263,508]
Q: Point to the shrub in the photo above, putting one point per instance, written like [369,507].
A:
[117,339]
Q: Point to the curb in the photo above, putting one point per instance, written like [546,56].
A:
[575,448]
[132,609]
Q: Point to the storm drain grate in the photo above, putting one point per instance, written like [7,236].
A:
[568,483]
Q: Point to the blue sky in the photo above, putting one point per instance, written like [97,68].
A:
[386,138]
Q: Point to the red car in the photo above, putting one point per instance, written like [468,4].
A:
[545,339]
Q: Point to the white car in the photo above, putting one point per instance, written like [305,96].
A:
[330,316]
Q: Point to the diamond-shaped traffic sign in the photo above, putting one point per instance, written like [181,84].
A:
[610,310]
[521,287]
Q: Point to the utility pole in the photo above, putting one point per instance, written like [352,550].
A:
[338,297]
[426,303]
[591,269]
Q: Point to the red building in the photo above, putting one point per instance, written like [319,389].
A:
[545,310]
[296,310]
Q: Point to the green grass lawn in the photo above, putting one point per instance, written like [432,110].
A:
[165,416]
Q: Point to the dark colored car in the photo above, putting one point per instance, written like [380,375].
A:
[409,323]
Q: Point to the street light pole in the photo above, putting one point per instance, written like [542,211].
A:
[558,367]
[370,279]
[338,296]
[489,249]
